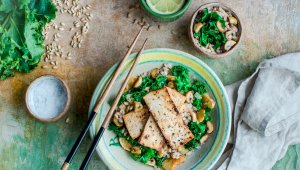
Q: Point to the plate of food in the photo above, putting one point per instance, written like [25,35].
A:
[174,114]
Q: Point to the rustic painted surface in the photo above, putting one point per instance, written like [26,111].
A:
[271,28]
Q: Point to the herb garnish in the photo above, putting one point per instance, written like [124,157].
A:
[209,32]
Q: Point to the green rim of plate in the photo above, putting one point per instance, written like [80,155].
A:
[168,17]
[223,114]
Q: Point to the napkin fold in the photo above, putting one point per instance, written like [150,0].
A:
[266,115]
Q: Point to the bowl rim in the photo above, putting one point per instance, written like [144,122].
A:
[174,15]
[191,31]
[103,83]
[67,104]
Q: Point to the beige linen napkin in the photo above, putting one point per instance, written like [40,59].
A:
[266,115]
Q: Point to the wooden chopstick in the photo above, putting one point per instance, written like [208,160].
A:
[110,113]
[97,108]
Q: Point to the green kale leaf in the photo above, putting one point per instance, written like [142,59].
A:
[21,41]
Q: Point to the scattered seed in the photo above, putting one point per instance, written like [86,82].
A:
[143,19]
[140,23]
[61,29]
[57,54]
[52,63]
[137,5]
[148,28]
[62,24]
[57,35]
[174,32]
[54,67]
[132,8]
[77,25]
[147,25]
[89,18]
[67,120]
[128,46]
[75,22]
[69,53]
[71,29]
[55,39]
[61,11]
[44,66]
[55,26]
[79,45]
[159,27]
[135,21]
[68,58]
[129,15]
[56,62]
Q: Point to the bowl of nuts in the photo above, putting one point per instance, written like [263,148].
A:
[215,30]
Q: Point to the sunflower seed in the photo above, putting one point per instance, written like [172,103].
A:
[69,53]
[61,29]
[129,15]
[68,58]
[44,66]
[54,67]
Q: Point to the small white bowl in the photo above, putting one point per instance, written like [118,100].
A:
[48,98]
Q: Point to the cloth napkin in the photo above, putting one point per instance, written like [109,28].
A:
[265,114]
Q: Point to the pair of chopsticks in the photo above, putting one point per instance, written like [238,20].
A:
[99,105]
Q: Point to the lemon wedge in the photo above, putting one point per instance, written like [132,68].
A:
[165,6]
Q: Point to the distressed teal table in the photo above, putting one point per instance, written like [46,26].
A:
[271,28]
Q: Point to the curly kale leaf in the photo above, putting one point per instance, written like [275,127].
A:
[21,41]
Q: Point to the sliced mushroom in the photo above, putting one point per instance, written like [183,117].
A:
[117,122]
[205,98]
[155,73]
[161,153]
[220,27]
[137,106]
[151,162]
[171,78]
[210,127]
[193,115]
[203,139]
[128,108]
[200,115]
[138,82]
[171,84]
[125,144]
[198,26]
[182,150]
[232,20]
[130,83]
[189,97]
[229,44]
[136,150]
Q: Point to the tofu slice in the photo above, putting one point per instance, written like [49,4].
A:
[135,122]
[178,99]
[167,117]
[151,136]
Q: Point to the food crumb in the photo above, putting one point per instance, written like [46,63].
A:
[67,120]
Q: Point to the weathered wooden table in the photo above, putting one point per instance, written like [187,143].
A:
[271,28]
